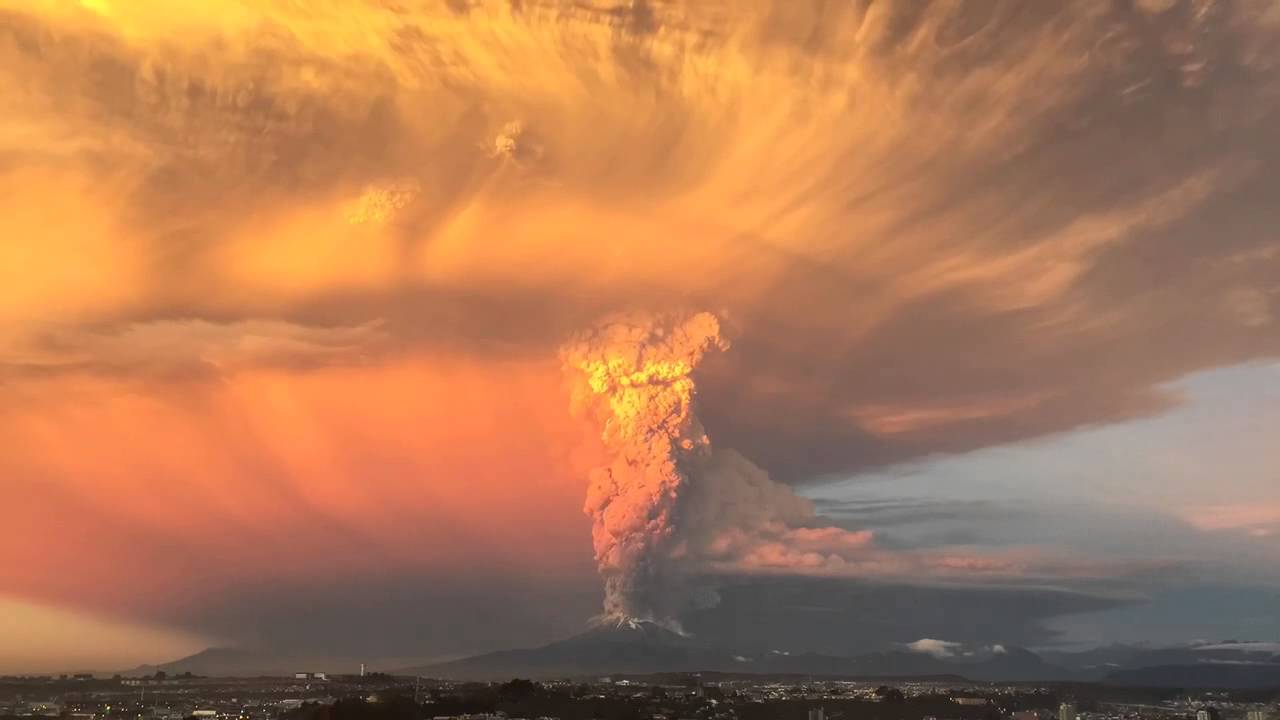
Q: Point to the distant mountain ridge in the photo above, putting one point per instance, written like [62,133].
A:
[637,647]
[1228,664]
[237,662]
[645,648]
[1236,677]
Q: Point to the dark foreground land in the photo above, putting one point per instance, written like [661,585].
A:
[705,696]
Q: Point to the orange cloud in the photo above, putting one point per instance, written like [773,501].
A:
[163,494]
[887,420]
[1259,520]
[46,640]
[66,256]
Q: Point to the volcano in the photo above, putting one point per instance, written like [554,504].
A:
[638,647]
[623,647]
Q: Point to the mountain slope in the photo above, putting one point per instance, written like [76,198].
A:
[1015,665]
[643,648]
[234,662]
[1229,664]
[1215,676]
[634,647]
[637,648]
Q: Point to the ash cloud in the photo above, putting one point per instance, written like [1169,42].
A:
[865,192]
[668,505]
[637,373]
[669,508]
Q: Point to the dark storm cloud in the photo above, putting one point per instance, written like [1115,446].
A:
[418,618]
[848,618]
[405,617]
[1170,551]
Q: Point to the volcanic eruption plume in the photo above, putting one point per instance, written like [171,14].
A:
[637,378]
[665,505]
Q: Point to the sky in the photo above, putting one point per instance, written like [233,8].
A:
[850,323]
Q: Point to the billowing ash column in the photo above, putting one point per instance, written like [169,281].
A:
[634,374]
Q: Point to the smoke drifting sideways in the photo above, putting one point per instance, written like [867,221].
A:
[668,506]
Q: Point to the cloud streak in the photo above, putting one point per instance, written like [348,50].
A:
[164,347]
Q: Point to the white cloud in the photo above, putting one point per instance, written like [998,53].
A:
[936,648]
[1245,647]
